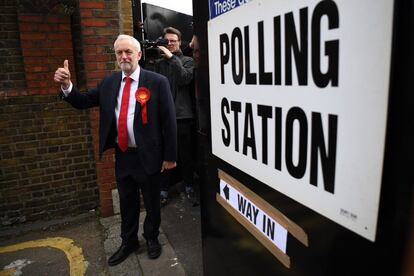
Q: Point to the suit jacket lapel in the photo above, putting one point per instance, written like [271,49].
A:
[116,84]
[143,80]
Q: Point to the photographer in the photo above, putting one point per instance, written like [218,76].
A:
[179,71]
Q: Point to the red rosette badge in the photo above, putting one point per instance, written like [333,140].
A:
[142,96]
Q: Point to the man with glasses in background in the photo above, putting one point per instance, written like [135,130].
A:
[179,70]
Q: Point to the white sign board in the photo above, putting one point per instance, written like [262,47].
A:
[183,6]
[299,95]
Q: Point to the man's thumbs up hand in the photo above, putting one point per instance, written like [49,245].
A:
[62,75]
[66,64]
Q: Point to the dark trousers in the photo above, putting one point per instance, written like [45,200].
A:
[131,178]
[186,160]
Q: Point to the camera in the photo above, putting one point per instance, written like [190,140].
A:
[154,43]
[151,51]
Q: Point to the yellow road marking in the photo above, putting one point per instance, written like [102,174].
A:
[7,272]
[77,265]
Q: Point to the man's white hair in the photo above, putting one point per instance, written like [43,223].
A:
[131,38]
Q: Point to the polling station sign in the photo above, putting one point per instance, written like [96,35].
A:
[299,96]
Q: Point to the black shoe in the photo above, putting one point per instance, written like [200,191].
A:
[154,248]
[121,254]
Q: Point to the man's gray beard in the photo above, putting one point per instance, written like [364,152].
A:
[126,67]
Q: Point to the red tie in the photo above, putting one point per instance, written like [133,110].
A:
[123,115]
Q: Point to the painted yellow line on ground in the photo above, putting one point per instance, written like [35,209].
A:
[77,265]
[8,272]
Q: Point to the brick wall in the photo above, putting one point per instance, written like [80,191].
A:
[49,163]
[12,76]
[47,166]
[100,24]
[98,27]
[126,20]
[45,40]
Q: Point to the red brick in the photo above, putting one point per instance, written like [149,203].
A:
[35,91]
[85,13]
[64,27]
[92,83]
[31,60]
[41,84]
[52,90]
[106,193]
[58,19]
[90,48]
[106,165]
[97,74]
[91,5]
[32,84]
[102,66]
[95,41]
[35,53]
[61,52]
[47,28]
[106,200]
[105,173]
[32,36]
[57,36]
[94,22]
[88,32]
[100,50]
[65,44]
[107,210]
[37,68]
[33,76]
[95,58]
[24,27]
[91,66]
[38,27]
[31,18]
[28,44]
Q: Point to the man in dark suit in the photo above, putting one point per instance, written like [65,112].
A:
[137,118]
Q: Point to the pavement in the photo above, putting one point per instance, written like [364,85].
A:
[139,263]
[81,245]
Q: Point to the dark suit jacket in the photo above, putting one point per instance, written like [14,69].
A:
[157,139]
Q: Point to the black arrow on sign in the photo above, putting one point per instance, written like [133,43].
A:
[226,192]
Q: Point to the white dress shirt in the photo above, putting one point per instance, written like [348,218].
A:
[131,107]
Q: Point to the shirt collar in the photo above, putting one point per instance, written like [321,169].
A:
[134,76]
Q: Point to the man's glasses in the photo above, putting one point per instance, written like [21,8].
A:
[172,41]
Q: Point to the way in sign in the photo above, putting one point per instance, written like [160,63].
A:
[247,209]
[257,217]
[262,220]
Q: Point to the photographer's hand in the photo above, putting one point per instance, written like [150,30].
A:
[165,52]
